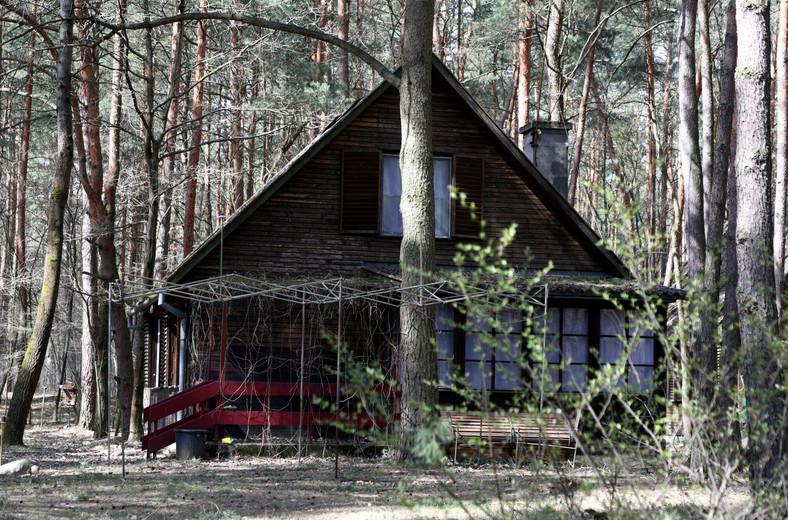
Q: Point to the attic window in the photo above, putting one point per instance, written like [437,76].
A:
[372,188]
[390,216]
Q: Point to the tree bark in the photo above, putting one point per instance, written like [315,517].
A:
[343,8]
[196,138]
[552,52]
[717,194]
[707,129]
[20,198]
[694,229]
[236,125]
[417,355]
[755,289]
[781,158]
[581,118]
[525,33]
[87,410]
[651,146]
[30,370]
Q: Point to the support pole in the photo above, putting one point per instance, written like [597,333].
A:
[339,351]
[301,381]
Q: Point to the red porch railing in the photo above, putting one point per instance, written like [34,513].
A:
[200,413]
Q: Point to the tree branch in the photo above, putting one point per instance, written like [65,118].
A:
[254,21]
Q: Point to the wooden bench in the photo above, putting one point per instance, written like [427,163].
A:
[546,436]
[491,432]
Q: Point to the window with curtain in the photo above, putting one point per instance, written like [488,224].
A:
[566,350]
[623,341]
[444,340]
[391,193]
[492,354]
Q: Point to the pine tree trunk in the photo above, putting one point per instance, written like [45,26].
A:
[20,198]
[417,355]
[525,33]
[707,108]
[781,158]
[343,26]
[236,125]
[87,411]
[581,118]
[755,290]
[195,147]
[30,371]
[552,50]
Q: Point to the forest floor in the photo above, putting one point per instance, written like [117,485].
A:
[76,482]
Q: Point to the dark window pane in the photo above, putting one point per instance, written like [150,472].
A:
[611,322]
[643,354]
[575,349]
[574,378]
[611,350]
[476,348]
[507,376]
[445,343]
[474,374]
[575,321]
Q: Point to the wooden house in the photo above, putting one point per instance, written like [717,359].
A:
[256,359]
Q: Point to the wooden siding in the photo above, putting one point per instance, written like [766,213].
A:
[297,233]
[264,341]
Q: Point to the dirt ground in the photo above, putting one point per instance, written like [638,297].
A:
[76,482]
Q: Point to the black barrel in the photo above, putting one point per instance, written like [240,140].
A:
[190,444]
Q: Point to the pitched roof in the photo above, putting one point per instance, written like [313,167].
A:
[339,124]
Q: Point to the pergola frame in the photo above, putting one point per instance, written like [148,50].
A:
[230,287]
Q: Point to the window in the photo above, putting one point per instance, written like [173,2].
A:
[390,216]
[616,332]
[372,186]
[444,340]
[566,352]
[492,356]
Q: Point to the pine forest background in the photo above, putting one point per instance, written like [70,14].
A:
[177,125]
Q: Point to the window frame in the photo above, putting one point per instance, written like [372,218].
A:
[627,327]
[560,365]
[493,363]
[384,207]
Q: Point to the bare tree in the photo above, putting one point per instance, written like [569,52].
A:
[30,370]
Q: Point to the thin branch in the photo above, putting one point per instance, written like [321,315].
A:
[254,21]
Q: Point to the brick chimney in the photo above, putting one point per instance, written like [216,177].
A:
[545,143]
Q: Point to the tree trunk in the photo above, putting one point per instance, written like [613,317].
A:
[707,130]
[87,412]
[30,371]
[343,8]
[781,157]
[651,146]
[552,50]
[581,118]
[694,229]
[525,32]
[715,216]
[730,355]
[168,146]
[664,156]
[195,148]
[20,238]
[236,125]
[755,289]
[417,354]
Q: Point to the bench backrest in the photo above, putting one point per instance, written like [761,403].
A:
[476,425]
[541,425]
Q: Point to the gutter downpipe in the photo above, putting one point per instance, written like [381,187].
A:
[182,351]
